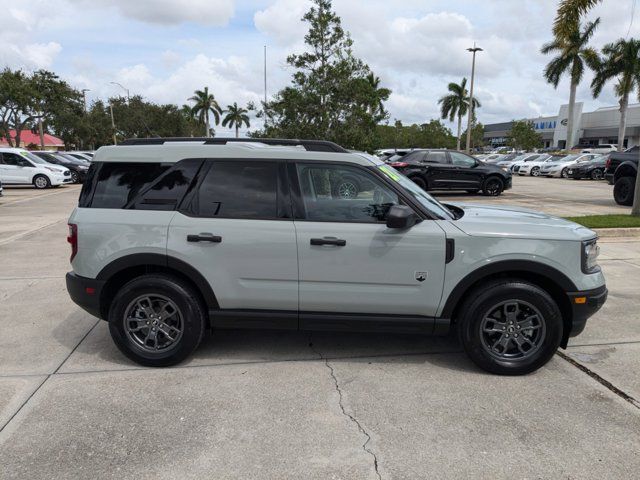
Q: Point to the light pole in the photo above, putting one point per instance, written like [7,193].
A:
[264,108]
[113,124]
[124,88]
[84,98]
[473,73]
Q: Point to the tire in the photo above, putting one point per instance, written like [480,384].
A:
[136,340]
[493,346]
[493,186]
[597,174]
[75,178]
[623,191]
[535,172]
[563,173]
[419,182]
[346,187]
[41,182]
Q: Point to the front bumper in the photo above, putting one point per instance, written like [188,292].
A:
[583,305]
[508,182]
[85,292]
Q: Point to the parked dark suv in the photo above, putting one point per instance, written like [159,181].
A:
[449,170]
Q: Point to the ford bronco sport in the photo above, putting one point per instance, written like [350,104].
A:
[175,236]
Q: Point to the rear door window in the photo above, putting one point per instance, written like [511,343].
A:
[436,157]
[119,183]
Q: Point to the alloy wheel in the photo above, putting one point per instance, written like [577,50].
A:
[153,323]
[513,329]
[535,171]
[74,177]
[347,190]
[41,182]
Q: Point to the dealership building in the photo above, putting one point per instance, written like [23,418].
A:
[590,128]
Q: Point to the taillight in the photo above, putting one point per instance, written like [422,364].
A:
[73,240]
[607,164]
[399,164]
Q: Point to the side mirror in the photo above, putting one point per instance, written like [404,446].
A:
[401,216]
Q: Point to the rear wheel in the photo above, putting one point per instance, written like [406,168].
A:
[493,186]
[156,320]
[510,327]
[41,182]
[597,174]
[623,191]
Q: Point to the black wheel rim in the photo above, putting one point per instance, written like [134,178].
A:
[74,177]
[493,187]
[153,323]
[513,329]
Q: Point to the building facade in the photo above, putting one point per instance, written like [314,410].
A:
[590,128]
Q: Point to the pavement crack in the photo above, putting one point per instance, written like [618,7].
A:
[602,381]
[353,419]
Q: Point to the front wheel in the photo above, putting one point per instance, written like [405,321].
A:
[346,188]
[75,178]
[157,320]
[535,172]
[564,173]
[41,182]
[510,327]
[493,186]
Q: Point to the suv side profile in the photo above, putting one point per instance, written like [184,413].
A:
[450,170]
[171,238]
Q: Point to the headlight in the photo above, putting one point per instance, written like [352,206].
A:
[590,252]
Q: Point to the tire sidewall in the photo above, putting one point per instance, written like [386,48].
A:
[622,183]
[470,323]
[181,295]
[488,181]
[35,184]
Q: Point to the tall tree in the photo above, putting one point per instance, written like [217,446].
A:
[205,103]
[235,117]
[330,96]
[456,104]
[523,136]
[569,14]
[621,62]
[572,53]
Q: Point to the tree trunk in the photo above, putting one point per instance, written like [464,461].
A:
[41,132]
[624,103]
[459,132]
[572,104]
[237,134]
[207,125]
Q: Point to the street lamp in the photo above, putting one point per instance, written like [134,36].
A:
[84,98]
[122,87]
[473,72]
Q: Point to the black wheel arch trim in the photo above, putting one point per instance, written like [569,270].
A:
[164,261]
[505,267]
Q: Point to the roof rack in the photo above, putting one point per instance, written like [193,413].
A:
[309,145]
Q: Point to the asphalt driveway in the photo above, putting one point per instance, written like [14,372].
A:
[273,405]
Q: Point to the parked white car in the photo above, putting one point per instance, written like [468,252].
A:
[559,168]
[539,157]
[603,148]
[20,167]
[533,168]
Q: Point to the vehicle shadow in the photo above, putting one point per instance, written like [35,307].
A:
[97,352]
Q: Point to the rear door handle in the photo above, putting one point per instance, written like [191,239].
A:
[338,242]
[204,237]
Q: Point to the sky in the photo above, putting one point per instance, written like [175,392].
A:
[166,49]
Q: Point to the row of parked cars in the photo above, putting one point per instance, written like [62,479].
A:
[42,169]
[577,166]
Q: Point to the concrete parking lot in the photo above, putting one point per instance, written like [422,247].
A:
[273,405]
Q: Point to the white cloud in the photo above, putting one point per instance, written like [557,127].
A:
[281,21]
[170,12]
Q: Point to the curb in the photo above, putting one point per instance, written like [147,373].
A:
[617,232]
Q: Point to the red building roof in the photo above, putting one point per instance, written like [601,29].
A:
[27,138]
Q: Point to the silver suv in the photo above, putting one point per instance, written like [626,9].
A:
[172,237]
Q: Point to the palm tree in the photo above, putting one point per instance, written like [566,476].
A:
[573,53]
[622,62]
[380,94]
[456,104]
[205,102]
[568,15]
[235,117]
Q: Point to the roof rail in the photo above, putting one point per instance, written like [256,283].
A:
[309,145]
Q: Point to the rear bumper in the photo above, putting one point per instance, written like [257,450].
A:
[85,292]
[583,305]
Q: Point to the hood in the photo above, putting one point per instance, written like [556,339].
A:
[513,222]
[57,168]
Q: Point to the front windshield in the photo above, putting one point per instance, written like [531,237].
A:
[568,158]
[426,200]
[33,158]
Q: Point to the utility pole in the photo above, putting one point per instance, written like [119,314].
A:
[264,107]
[473,73]
[113,124]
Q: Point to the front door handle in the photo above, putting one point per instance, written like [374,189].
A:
[338,242]
[204,237]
